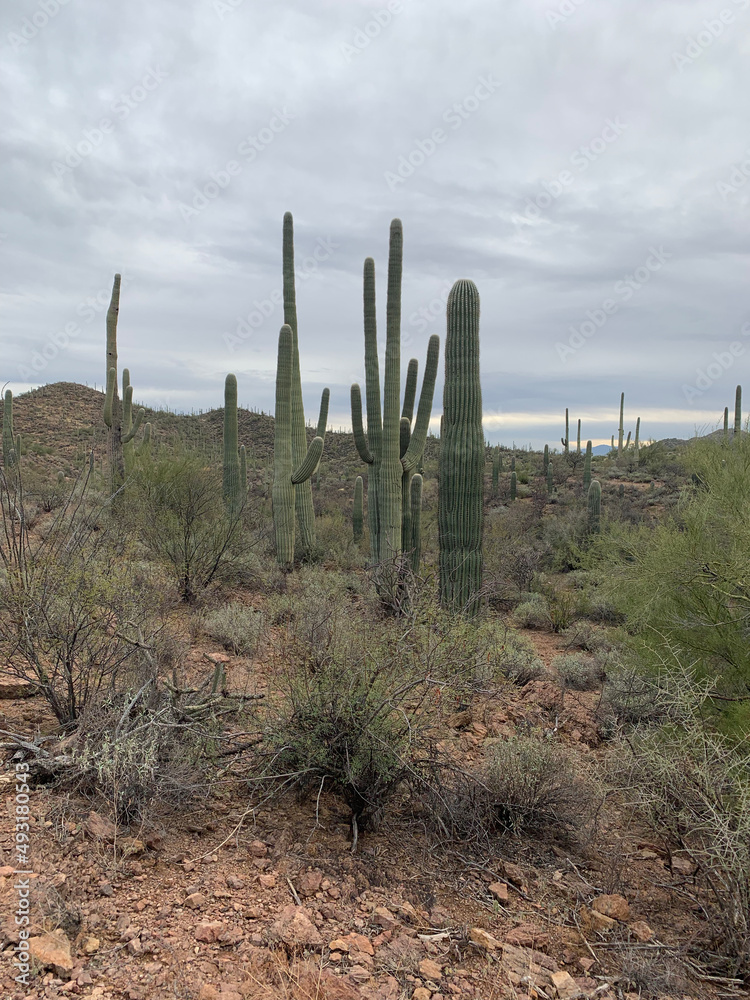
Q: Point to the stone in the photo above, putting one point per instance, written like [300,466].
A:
[208,931]
[594,922]
[531,967]
[641,931]
[420,993]
[527,936]
[16,688]
[514,874]
[131,845]
[616,907]
[683,866]
[267,881]
[257,849]
[195,901]
[90,945]
[481,937]
[384,918]
[460,720]
[52,951]
[296,929]
[500,891]
[234,883]
[430,970]
[99,827]
[309,883]
[358,974]
[566,986]
[208,992]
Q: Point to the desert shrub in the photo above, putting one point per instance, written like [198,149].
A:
[579,672]
[237,627]
[516,658]
[532,613]
[565,537]
[527,784]
[654,976]
[692,785]
[46,490]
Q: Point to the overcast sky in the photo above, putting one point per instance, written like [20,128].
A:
[585,163]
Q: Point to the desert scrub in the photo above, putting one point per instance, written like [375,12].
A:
[516,658]
[237,627]
[578,671]
[532,613]
[526,785]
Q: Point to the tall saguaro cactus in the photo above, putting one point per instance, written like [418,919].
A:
[391,447]
[621,432]
[130,426]
[637,442]
[545,459]
[286,475]
[231,478]
[112,407]
[587,467]
[513,486]
[566,440]
[594,500]
[461,456]
[726,423]
[496,460]
[578,438]
[738,410]
[303,498]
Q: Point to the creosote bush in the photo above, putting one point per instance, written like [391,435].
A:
[237,627]
[578,671]
[533,612]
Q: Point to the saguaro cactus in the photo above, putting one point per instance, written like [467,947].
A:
[231,480]
[415,542]
[303,498]
[621,432]
[587,467]
[578,438]
[287,476]
[130,427]
[738,410]
[513,486]
[545,460]
[637,442]
[726,423]
[566,440]
[550,480]
[358,509]
[461,456]
[112,407]
[594,499]
[495,468]
[391,447]
[10,458]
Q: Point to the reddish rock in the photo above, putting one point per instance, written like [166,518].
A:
[616,907]
[527,936]
[296,929]
[209,931]
[258,849]
[641,931]
[500,891]
[99,827]
[482,938]
[430,970]
[11,688]
[195,901]
[308,884]
[52,951]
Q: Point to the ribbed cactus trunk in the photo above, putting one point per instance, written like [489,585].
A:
[738,410]
[550,480]
[303,499]
[587,467]
[461,456]
[565,442]
[513,486]
[231,482]
[112,407]
[637,442]
[415,542]
[286,475]
[390,467]
[358,510]
[621,431]
[10,458]
[594,500]
[726,423]
[545,459]
[578,439]
[243,472]
[495,469]
[407,414]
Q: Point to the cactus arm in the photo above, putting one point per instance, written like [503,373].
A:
[424,411]
[283,489]
[310,462]
[231,463]
[127,438]
[323,414]
[360,437]
[109,396]
[410,391]
[405,436]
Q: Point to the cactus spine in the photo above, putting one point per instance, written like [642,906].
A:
[513,486]
[461,456]
[358,509]
[594,499]
[231,480]
[303,496]
[738,410]
[390,447]
[287,476]
[587,467]
[621,431]
[10,457]
[415,541]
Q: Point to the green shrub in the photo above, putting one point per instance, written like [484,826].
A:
[517,659]
[579,672]
[533,613]
[237,627]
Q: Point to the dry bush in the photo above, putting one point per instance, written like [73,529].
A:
[534,612]
[237,627]
[656,975]
[578,671]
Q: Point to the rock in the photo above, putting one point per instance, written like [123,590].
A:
[566,986]
[130,846]
[309,883]
[52,951]
[641,931]
[430,970]
[420,993]
[483,938]
[6,871]
[295,928]
[99,827]
[514,874]
[195,901]
[208,931]
[530,966]
[258,849]
[90,945]
[384,918]
[615,907]
[683,866]
[500,891]
[594,922]
[527,936]
[268,881]
[15,688]
[234,883]
[358,974]
[208,992]
[460,720]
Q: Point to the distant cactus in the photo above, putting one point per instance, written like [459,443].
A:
[627,443]
[231,479]
[460,507]
[358,510]
[587,467]
[621,432]
[566,440]
[738,410]
[621,490]
[550,481]
[10,458]
[286,476]
[513,463]
[636,443]
[496,460]
[112,408]
[594,498]
[726,423]
[545,459]
[578,438]
[513,486]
